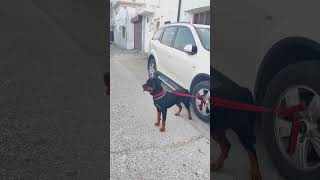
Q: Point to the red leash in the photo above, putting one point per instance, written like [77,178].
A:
[201,98]
[291,112]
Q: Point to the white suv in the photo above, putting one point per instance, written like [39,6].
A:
[179,55]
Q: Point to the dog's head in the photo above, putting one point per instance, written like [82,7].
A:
[152,86]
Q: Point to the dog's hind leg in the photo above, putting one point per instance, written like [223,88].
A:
[225,146]
[186,103]
[248,144]
[179,111]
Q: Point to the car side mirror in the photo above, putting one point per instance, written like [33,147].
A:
[190,49]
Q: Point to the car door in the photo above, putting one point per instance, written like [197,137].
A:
[165,52]
[183,64]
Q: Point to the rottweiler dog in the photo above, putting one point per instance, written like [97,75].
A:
[241,122]
[106,78]
[165,99]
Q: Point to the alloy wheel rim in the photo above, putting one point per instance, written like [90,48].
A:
[151,70]
[307,154]
[206,105]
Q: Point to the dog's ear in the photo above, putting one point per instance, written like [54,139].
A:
[159,81]
[158,84]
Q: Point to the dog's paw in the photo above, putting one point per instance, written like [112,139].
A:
[190,118]
[214,167]
[162,129]
[157,124]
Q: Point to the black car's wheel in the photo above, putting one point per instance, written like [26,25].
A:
[152,68]
[298,83]
[201,89]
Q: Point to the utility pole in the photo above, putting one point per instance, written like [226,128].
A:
[179,7]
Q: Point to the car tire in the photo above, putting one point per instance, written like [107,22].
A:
[198,89]
[297,76]
[152,68]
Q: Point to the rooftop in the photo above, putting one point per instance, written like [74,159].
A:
[117,3]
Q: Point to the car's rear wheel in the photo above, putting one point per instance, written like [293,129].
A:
[296,84]
[202,110]
[152,68]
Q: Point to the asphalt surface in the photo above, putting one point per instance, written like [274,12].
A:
[138,149]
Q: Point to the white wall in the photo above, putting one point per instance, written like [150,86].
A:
[123,18]
[132,12]
[147,33]
[120,20]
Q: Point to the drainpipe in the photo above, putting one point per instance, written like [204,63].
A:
[179,7]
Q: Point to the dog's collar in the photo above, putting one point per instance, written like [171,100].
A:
[159,95]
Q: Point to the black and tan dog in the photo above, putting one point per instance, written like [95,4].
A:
[165,99]
[242,123]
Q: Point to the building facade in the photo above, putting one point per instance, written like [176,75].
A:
[141,19]
[121,27]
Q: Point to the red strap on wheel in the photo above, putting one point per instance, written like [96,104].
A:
[291,112]
[201,98]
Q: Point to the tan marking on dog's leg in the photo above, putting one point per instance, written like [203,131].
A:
[254,167]
[158,119]
[189,114]
[179,111]
[163,128]
[218,164]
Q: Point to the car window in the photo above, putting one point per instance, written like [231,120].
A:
[168,35]
[183,38]
[204,35]
[157,35]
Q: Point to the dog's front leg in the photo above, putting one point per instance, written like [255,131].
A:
[164,116]
[158,118]
[224,148]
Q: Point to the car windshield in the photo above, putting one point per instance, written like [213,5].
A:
[204,35]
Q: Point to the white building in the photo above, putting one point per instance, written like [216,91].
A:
[142,18]
[120,21]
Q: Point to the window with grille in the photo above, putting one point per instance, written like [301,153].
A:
[202,18]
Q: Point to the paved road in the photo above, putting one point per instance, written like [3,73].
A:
[138,149]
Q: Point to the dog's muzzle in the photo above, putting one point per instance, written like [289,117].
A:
[144,87]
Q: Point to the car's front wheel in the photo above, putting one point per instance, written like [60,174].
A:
[201,107]
[152,68]
[296,84]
